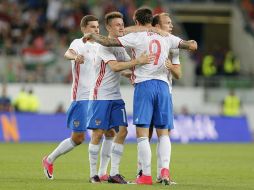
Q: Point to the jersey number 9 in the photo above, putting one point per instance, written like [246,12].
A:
[155,49]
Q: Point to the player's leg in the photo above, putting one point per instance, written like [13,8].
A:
[150,132]
[159,160]
[139,169]
[144,154]
[93,150]
[66,145]
[164,153]
[143,100]
[76,120]
[163,114]
[105,154]
[97,120]
[158,178]
[118,118]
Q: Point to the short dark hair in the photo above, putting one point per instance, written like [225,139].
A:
[108,17]
[88,18]
[144,16]
[157,18]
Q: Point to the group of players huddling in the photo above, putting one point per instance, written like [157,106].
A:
[97,65]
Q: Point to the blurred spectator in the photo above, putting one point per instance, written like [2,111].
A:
[26,101]
[58,75]
[32,102]
[53,10]
[5,101]
[20,102]
[219,55]
[158,8]
[248,5]
[10,73]
[39,31]
[208,66]
[231,105]
[60,108]
[217,62]
[231,64]
[37,54]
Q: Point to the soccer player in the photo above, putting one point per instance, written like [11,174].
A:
[163,21]
[106,109]
[107,141]
[81,56]
[151,89]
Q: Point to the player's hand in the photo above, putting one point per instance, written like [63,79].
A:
[79,59]
[159,31]
[145,58]
[86,37]
[163,33]
[126,74]
[193,45]
[168,64]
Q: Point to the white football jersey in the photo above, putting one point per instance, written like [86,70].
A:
[154,44]
[174,57]
[82,74]
[106,85]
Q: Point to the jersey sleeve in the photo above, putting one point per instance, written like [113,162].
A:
[74,45]
[126,56]
[174,40]
[130,40]
[174,55]
[105,54]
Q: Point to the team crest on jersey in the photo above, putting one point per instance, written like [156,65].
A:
[76,123]
[97,122]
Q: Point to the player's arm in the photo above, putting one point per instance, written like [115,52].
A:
[175,69]
[188,45]
[131,29]
[126,73]
[143,59]
[70,54]
[103,40]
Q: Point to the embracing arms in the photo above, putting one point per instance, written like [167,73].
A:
[188,45]
[175,69]
[103,40]
[70,54]
[141,60]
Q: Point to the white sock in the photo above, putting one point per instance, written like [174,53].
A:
[116,155]
[93,158]
[164,151]
[145,155]
[158,160]
[105,153]
[139,163]
[64,147]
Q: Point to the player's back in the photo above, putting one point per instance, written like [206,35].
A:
[151,43]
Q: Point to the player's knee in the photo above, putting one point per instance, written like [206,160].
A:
[110,134]
[123,133]
[78,139]
[96,136]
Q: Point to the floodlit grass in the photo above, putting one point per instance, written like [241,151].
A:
[195,166]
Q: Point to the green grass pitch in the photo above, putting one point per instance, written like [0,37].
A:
[195,166]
